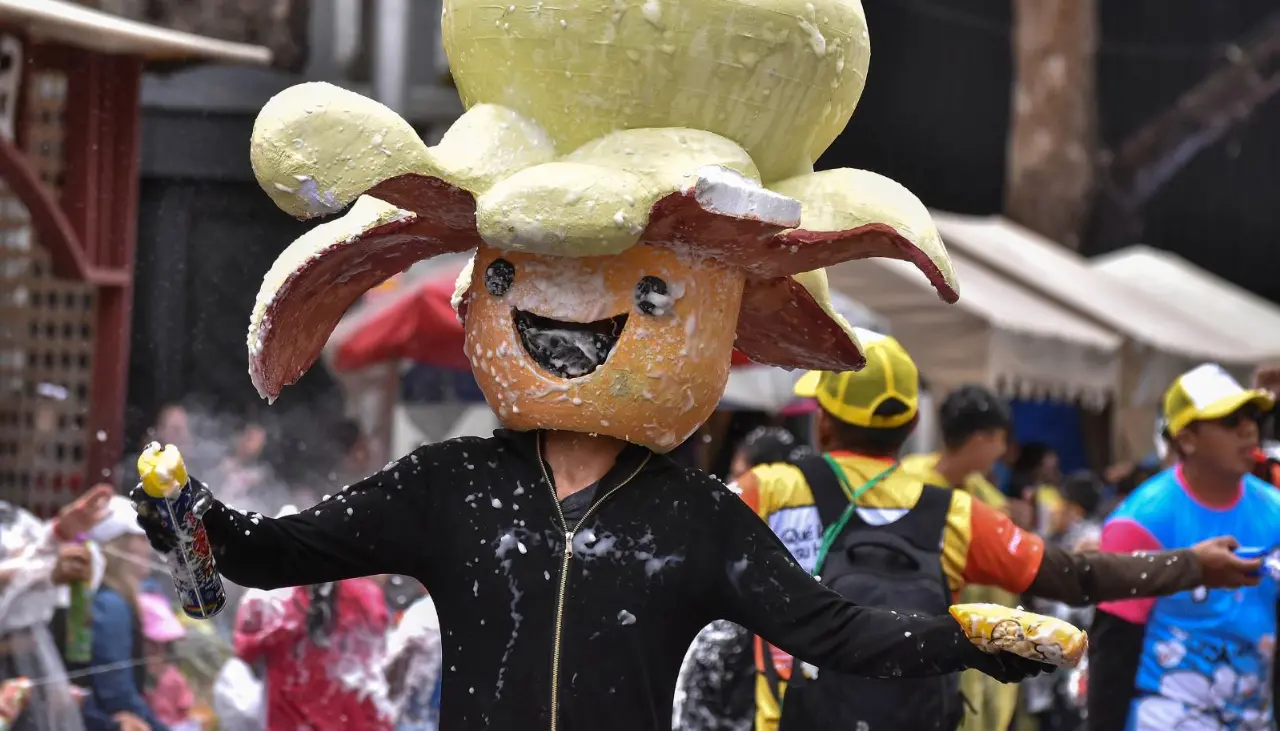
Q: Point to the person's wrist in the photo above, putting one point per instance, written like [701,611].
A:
[1196,576]
[60,531]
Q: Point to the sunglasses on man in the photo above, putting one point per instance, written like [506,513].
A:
[1244,413]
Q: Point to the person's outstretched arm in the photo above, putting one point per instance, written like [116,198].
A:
[763,589]
[1089,577]
[375,526]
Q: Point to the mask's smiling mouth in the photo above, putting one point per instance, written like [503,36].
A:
[568,349]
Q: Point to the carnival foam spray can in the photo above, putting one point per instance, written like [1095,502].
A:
[167,487]
[79,624]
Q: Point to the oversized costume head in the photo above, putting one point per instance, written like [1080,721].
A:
[636,179]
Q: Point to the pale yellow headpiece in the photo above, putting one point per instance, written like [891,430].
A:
[637,181]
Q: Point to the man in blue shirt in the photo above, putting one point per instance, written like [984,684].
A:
[1201,659]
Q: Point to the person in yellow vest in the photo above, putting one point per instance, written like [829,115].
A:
[864,420]
[975,427]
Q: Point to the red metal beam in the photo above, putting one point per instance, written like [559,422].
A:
[83,120]
[109,208]
[47,217]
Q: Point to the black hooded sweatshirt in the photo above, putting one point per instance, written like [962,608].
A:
[602,628]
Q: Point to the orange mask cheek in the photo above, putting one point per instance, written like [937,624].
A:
[654,385]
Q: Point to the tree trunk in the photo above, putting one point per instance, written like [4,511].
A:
[280,25]
[1053,134]
[1200,118]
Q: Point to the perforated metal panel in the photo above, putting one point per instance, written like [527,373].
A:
[46,324]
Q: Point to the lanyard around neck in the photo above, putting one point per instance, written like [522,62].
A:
[834,530]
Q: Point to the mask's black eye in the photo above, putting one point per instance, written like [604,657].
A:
[652,297]
[499,277]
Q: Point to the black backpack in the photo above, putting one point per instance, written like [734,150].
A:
[894,566]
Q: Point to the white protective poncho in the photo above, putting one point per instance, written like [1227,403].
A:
[28,598]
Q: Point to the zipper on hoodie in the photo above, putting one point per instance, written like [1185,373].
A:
[561,596]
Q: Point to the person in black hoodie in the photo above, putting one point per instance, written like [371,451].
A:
[569,603]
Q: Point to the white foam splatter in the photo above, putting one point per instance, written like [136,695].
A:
[573,291]
[652,12]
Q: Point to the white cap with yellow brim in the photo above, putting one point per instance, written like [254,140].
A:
[1208,392]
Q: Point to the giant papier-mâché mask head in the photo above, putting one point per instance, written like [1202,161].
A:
[636,179]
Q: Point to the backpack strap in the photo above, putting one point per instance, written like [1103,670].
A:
[925,527]
[828,496]
[769,669]
[926,522]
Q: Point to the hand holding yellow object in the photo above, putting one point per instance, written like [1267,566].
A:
[995,628]
[170,507]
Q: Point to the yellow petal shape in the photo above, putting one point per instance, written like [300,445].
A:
[778,77]
[665,155]
[598,199]
[487,144]
[566,209]
[876,217]
[317,147]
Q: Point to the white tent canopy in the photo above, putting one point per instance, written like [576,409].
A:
[1066,278]
[1160,341]
[1196,293]
[999,333]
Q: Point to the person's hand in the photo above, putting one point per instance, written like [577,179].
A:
[74,564]
[161,537]
[12,698]
[1221,568]
[129,722]
[1007,667]
[78,695]
[86,511]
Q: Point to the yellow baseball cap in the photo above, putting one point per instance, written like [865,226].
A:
[1205,393]
[854,396]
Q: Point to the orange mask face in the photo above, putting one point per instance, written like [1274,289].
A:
[635,346]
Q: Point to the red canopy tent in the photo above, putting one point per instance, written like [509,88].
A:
[417,323]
